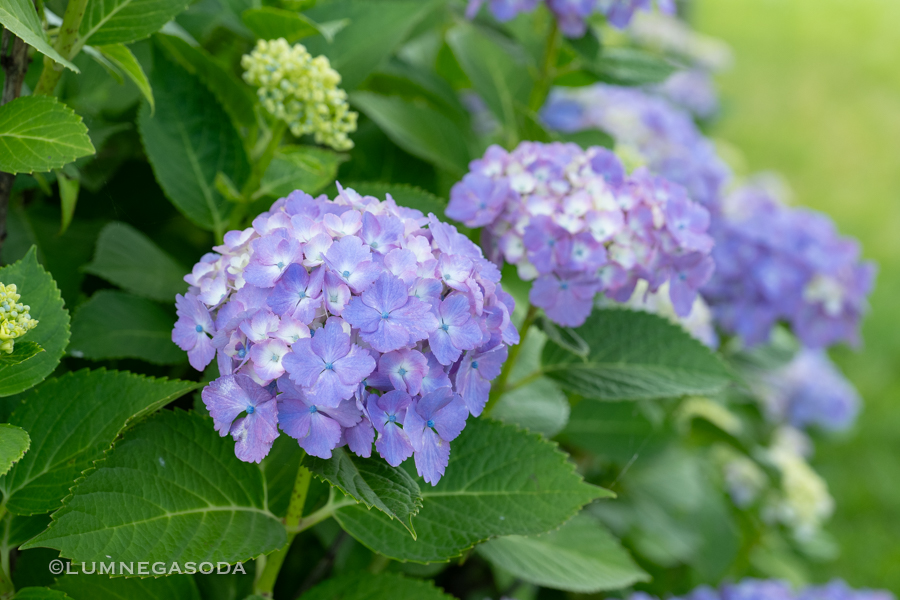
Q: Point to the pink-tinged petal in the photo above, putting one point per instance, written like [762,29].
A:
[267,359]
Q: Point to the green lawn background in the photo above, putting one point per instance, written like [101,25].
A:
[815,94]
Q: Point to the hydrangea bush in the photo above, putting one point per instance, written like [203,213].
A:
[605,354]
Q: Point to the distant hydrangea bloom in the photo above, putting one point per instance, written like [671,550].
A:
[301,90]
[649,129]
[572,15]
[334,320]
[668,34]
[571,221]
[778,263]
[15,318]
[761,589]
[698,322]
[692,90]
[810,391]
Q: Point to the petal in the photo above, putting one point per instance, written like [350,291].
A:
[387,336]
[301,364]
[324,435]
[355,366]
[393,445]
[293,417]
[361,316]
[331,343]
[360,438]
[225,400]
[432,459]
[254,434]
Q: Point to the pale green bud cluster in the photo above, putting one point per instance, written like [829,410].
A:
[301,91]
[15,320]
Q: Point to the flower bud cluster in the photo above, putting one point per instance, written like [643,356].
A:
[571,220]
[779,263]
[336,319]
[15,318]
[302,91]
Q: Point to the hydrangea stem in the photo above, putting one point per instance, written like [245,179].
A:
[67,44]
[548,69]
[498,387]
[271,565]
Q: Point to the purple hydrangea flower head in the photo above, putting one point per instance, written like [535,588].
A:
[574,223]
[477,369]
[227,398]
[572,15]
[762,589]
[332,318]
[757,589]
[779,263]
[435,420]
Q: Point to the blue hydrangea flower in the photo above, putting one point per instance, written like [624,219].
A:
[227,398]
[298,293]
[436,420]
[317,428]
[387,413]
[193,330]
[477,369]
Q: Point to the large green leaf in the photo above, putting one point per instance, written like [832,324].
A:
[14,443]
[40,593]
[20,17]
[375,29]
[403,194]
[122,21]
[384,586]
[635,355]
[371,481]
[77,416]
[130,260]
[418,129]
[38,133]
[496,68]
[305,168]
[581,556]
[100,587]
[115,325]
[120,56]
[615,431]
[500,481]
[270,23]
[188,140]
[236,97]
[171,491]
[22,351]
[39,291]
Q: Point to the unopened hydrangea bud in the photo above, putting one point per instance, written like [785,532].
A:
[302,91]
[15,318]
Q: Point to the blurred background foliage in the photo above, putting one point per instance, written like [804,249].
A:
[815,94]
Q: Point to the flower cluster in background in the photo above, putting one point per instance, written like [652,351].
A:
[809,391]
[302,91]
[759,589]
[698,323]
[572,221]
[15,319]
[572,15]
[336,319]
[779,263]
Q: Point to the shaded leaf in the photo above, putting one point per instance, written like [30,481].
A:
[14,442]
[305,168]
[39,133]
[68,198]
[101,587]
[121,21]
[120,56]
[383,586]
[270,23]
[21,18]
[40,593]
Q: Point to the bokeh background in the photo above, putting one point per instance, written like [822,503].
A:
[815,95]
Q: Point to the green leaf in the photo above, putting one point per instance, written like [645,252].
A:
[270,23]
[172,481]
[632,66]
[635,355]
[371,481]
[39,133]
[188,140]
[418,129]
[39,291]
[14,442]
[615,431]
[40,593]
[78,416]
[68,198]
[21,18]
[500,481]
[115,325]
[496,68]
[383,586]
[404,195]
[280,470]
[236,97]
[374,31]
[121,21]
[120,56]
[100,587]
[22,351]
[581,556]
[130,260]
[305,168]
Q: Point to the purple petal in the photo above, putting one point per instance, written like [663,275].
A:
[393,445]
[302,364]
[355,366]
[254,434]
[331,343]
[360,438]
[433,457]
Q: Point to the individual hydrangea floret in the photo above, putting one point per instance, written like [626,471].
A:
[15,318]
[336,320]
[572,15]
[779,263]
[301,90]
[763,589]
[571,220]
[648,130]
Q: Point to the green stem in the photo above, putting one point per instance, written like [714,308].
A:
[261,164]
[271,564]
[548,70]
[67,44]
[7,589]
[498,387]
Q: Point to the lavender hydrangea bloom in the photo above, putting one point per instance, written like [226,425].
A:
[351,311]
[477,369]
[777,263]
[575,224]
[761,589]
[572,15]
[435,420]
[226,398]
